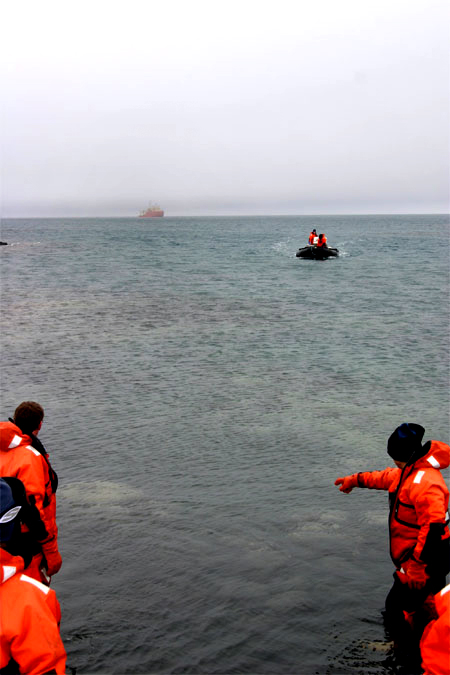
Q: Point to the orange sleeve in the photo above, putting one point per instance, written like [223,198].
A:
[378,480]
[34,475]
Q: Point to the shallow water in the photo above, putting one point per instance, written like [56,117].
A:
[203,389]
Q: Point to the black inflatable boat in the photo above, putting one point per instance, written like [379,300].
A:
[317,252]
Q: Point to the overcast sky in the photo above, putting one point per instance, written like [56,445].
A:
[224,106]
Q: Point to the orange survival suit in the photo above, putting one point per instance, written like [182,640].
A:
[418,516]
[312,236]
[19,459]
[322,241]
[29,618]
[435,642]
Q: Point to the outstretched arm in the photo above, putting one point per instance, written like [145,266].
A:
[377,480]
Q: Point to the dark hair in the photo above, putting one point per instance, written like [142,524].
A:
[28,416]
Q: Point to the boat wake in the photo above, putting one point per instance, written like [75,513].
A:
[283,247]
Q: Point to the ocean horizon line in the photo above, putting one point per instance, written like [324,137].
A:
[228,215]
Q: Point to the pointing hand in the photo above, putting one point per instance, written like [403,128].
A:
[347,483]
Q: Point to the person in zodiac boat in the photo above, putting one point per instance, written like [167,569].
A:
[322,241]
[313,238]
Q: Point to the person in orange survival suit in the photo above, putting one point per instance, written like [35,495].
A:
[322,241]
[30,614]
[29,416]
[435,642]
[418,524]
[312,236]
[18,458]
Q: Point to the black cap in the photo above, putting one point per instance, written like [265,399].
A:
[9,510]
[405,441]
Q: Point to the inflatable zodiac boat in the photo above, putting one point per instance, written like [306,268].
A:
[317,252]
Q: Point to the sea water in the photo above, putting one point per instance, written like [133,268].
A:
[203,389]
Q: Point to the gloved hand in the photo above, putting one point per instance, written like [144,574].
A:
[52,557]
[416,576]
[347,483]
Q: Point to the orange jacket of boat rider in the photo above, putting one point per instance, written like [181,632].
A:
[29,618]
[435,641]
[322,240]
[312,236]
[19,459]
[418,496]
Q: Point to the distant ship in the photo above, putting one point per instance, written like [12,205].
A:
[153,211]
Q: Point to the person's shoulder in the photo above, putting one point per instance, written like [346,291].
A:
[28,465]
[21,594]
[25,453]
[25,589]
[423,478]
[33,583]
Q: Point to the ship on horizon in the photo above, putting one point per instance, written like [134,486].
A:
[153,211]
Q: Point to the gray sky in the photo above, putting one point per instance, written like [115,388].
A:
[224,106]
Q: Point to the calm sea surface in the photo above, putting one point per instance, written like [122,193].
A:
[203,388]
